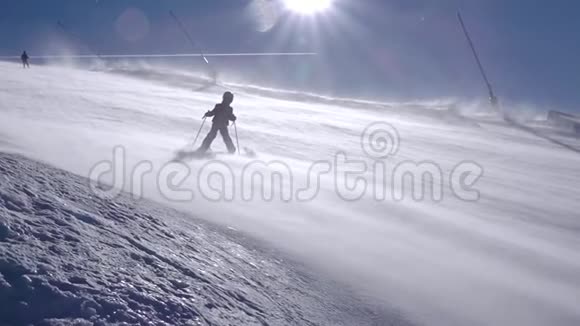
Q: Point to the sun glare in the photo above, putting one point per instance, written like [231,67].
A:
[308,7]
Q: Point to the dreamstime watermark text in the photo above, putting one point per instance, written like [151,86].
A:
[372,173]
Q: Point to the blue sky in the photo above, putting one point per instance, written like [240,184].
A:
[403,49]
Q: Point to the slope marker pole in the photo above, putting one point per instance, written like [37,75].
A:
[179,24]
[492,98]
[71,34]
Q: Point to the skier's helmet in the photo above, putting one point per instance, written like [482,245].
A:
[228,97]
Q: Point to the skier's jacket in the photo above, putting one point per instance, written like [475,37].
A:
[222,114]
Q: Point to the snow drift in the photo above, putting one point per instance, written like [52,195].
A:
[70,258]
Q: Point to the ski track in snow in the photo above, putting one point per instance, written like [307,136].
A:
[511,258]
[70,258]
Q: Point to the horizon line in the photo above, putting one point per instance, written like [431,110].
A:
[184,55]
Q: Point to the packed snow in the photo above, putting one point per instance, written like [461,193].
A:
[70,258]
[506,251]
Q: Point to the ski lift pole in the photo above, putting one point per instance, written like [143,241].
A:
[237,139]
[492,97]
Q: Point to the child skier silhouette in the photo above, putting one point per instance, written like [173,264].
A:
[222,114]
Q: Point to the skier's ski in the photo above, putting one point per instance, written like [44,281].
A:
[185,155]
[248,152]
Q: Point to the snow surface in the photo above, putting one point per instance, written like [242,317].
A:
[70,258]
[510,258]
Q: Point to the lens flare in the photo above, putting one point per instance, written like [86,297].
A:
[308,7]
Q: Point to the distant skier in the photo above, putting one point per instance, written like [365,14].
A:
[222,114]
[24,57]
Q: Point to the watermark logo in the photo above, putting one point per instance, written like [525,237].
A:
[380,140]
[373,174]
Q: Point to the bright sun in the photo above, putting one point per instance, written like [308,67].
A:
[308,6]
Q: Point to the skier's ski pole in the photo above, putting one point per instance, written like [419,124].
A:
[198,132]
[237,139]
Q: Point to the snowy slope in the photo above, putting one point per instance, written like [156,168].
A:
[67,257]
[510,258]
